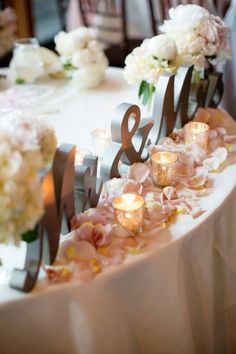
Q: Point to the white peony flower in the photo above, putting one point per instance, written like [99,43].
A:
[82,57]
[141,65]
[184,18]
[163,47]
[81,51]
[68,43]
[89,76]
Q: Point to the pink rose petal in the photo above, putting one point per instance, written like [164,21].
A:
[71,250]
[138,172]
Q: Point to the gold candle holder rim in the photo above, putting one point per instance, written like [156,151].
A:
[165,163]
[118,199]
[190,125]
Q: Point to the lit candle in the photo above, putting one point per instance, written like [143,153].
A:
[128,211]
[196,132]
[101,140]
[163,167]
[80,155]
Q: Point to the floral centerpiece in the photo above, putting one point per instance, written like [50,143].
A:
[146,63]
[202,39]
[83,56]
[191,36]
[27,144]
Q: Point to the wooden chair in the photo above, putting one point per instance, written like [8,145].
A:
[160,9]
[108,19]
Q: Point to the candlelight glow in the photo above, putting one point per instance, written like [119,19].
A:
[163,167]
[198,132]
[128,211]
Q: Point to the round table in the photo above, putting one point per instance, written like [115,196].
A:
[179,297]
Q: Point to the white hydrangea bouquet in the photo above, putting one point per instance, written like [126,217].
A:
[83,56]
[27,145]
[191,36]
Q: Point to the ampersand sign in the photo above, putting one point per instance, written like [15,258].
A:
[129,138]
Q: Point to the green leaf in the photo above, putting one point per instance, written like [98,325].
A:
[145,92]
[69,66]
[30,236]
[20,81]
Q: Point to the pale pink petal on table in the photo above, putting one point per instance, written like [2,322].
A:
[148,183]
[193,209]
[98,235]
[138,172]
[120,231]
[169,193]
[186,158]
[158,215]
[212,134]
[58,273]
[112,188]
[78,251]
[85,271]
[215,143]
[230,139]
[177,136]
[100,215]
[118,186]
[111,255]
[131,186]
[199,178]
[77,220]
[197,152]
[213,117]
[221,131]
[215,159]
[132,243]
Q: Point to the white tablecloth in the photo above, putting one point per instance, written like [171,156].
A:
[180,297]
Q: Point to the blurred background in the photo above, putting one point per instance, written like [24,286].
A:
[120,25]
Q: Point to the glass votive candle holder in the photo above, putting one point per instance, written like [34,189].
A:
[101,140]
[27,60]
[80,155]
[196,132]
[128,211]
[164,168]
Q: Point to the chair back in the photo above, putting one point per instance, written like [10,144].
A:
[160,9]
[108,19]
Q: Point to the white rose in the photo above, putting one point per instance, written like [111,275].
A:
[162,47]
[184,18]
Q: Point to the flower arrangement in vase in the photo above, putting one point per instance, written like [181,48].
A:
[191,36]
[82,56]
